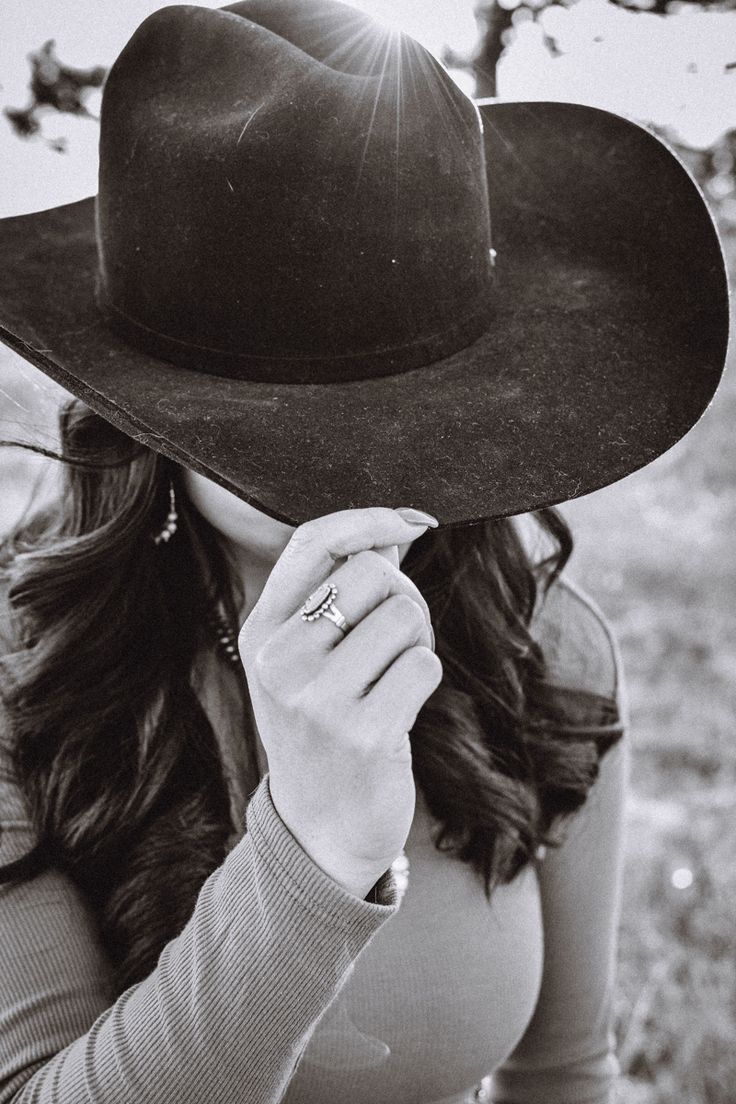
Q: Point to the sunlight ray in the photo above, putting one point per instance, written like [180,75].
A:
[389,45]
[446,104]
[397,150]
[353,45]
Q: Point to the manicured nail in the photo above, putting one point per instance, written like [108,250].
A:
[417,517]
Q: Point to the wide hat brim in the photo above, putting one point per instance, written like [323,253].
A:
[607,343]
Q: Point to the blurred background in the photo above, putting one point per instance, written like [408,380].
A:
[656,551]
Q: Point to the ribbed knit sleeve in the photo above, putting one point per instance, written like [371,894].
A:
[568,1052]
[227,1011]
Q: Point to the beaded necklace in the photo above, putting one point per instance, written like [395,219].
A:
[227,639]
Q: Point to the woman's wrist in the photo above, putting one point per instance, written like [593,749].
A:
[358,879]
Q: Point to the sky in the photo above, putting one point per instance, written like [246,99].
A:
[668,71]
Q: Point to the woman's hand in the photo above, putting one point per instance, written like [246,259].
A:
[334,711]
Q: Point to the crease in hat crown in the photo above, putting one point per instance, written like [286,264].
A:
[290,192]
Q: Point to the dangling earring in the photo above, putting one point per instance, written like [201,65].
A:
[171,519]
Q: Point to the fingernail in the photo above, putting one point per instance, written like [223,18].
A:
[417,517]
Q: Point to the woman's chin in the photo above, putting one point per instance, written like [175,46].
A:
[249,529]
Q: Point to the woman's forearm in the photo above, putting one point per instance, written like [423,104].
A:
[228,1010]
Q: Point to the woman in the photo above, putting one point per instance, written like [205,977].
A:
[209,898]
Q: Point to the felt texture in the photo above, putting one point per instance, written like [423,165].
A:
[267,215]
[604,340]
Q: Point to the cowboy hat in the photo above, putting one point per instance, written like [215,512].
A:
[319,274]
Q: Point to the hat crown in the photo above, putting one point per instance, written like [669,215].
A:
[290,192]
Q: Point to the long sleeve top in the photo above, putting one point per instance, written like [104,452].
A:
[285,986]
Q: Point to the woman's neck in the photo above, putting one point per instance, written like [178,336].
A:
[249,572]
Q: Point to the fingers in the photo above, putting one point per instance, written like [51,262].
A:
[390,553]
[376,642]
[365,581]
[404,688]
[313,550]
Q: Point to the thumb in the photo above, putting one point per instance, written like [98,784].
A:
[389,552]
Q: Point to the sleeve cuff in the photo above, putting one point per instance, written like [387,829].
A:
[316,890]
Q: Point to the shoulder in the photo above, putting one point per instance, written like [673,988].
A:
[584,672]
[8,644]
[18,836]
[6,633]
[8,623]
[11,634]
[577,641]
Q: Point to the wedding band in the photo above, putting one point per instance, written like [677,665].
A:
[321,603]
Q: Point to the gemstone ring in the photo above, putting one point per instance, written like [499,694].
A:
[321,603]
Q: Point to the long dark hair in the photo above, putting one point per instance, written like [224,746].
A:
[116,757]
